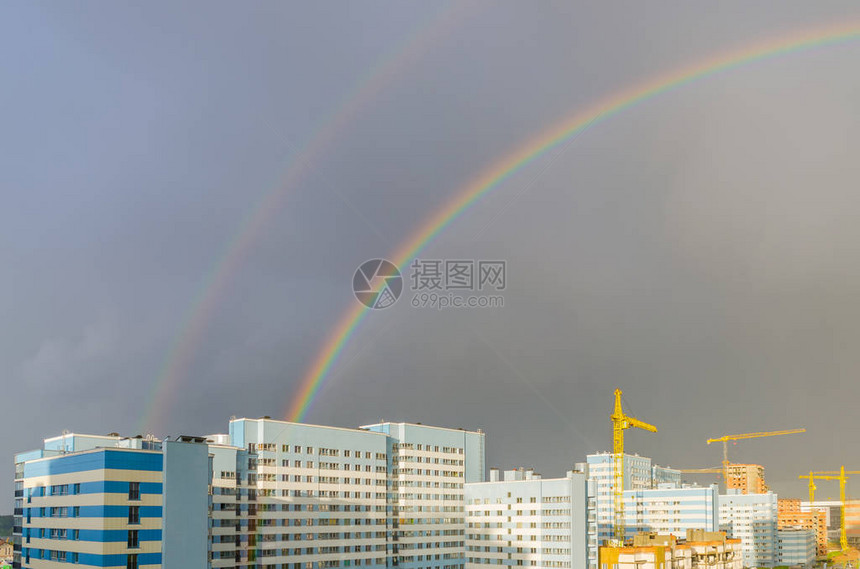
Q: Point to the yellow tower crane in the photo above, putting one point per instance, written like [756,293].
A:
[620,423]
[726,438]
[839,475]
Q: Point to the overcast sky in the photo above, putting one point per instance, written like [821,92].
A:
[699,250]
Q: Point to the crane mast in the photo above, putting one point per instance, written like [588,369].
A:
[839,475]
[620,423]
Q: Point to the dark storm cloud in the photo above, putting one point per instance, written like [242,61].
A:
[697,251]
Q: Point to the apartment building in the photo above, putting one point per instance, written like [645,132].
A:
[746,478]
[133,504]
[268,495]
[752,518]
[790,514]
[639,474]
[795,546]
[524,520]
[428,468]
[671,510]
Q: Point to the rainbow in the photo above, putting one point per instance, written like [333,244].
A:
[196,318]
[524,155]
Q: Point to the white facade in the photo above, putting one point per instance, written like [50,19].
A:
[752,518]
[670,510]
[428,469]
[526,521]
[639,474]
[796,546]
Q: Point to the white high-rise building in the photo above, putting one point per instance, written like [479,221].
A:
[752,518]
[526,521]
[428,469]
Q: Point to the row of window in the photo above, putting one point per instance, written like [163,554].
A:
[298,449]
[428,448]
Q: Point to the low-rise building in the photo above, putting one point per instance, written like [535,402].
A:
[795,546]
[700,550]
[523,520]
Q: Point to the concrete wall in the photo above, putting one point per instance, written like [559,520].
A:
[185,542]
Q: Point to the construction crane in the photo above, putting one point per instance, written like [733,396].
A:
[839,475]
[714,470]
[620,423]
[726,438]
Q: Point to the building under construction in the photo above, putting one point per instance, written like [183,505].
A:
[700,550]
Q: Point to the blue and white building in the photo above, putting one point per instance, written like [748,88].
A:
[268,494]
[524,520]
[669,509]
[128,505]
[752,518]
[639,474]
[428,468]
[795,546]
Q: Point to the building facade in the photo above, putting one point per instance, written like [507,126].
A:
[752,518]
[429,467]
[524,520]
[746,478]
[790,514]
[795,546]
[639,474]
[671,510]
[108,506]
[699,550]
[268,495]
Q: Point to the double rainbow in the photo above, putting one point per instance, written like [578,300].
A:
[527,153]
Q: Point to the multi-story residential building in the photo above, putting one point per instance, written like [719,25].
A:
[270,494]
[639,474]
[747,478]
[752,518]
[671,510]
[428,467]
[790,514]
[795,546]
[524,520]
[134,504]
[317,495]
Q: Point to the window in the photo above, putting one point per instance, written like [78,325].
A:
[134,517]
[131,561]
[134,490]
[133,539]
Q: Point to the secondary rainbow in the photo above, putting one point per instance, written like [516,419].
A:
[536,147]
[195,319]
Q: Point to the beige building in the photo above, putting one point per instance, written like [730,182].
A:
[790,514]
[701,550]
[748,478]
